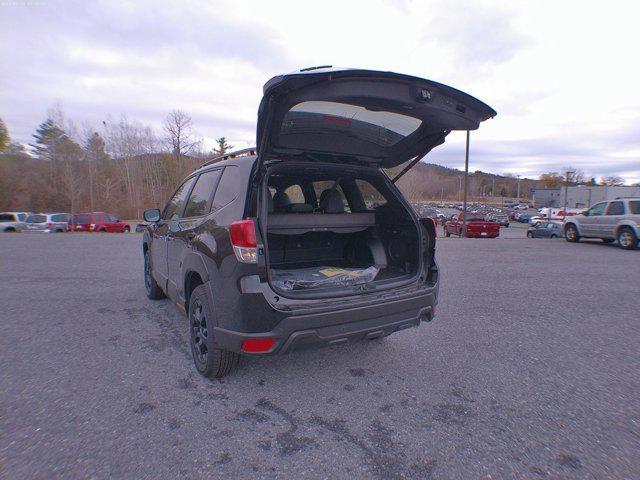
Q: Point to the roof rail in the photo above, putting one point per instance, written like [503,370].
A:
[238,153]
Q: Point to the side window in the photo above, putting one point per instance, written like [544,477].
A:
[372,197]
[294,192]
[597,209]
[173,210]
[634,206]
[200,199]
[228,189]
[615,208]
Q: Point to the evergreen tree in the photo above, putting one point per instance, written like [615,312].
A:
[4,136]
[223,147]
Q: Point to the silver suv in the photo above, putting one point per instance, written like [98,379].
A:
[12,221]
[617,219]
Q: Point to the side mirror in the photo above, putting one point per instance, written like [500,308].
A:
[152,215]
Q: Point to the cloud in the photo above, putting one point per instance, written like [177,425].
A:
[563,84]
[476,34]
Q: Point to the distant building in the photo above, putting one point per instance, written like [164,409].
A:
[582,196]
[546,197]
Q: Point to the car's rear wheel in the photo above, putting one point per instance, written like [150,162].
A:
[529,235]
[554,235]
[127,229]
[627,238]
[571,233]
[210,361]
[154,292]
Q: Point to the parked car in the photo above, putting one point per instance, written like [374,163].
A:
[141,227]
[99,222]
[617,219]
[13,221]
[48,222]
[476,226]
[502,219]
[522,218]
[545,230]
[274,248]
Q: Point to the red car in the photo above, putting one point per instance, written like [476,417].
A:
[98,222]
[477,226]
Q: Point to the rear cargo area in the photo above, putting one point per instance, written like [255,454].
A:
[330,230]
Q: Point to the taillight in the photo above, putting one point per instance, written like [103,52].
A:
[49,224]
[258,345]
[243,239]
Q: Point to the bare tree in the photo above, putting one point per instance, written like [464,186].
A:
[179,136]
[612,181]
[573,175]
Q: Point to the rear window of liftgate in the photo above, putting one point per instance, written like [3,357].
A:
[378,127]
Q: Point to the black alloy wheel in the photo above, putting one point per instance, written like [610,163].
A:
[199,335]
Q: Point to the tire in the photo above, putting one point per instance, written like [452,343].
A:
[154,292]
[10,230]
[627,239]
[102,230]
[554,236]
[210,361]
[127,229]
[529,235]
[571,233]
[446,233]
[607,240]
[59,230]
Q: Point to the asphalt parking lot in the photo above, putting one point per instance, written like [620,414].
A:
[530,370]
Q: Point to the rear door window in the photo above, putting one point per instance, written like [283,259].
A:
[200,199]
[228,189]
[615,208]
[174,208]
[634,206]
[6,217]
[36,219]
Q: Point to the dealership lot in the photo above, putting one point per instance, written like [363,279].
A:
[530,370]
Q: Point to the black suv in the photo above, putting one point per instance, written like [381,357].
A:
[306,240]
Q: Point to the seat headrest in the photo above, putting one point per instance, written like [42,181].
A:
[281,200]
[331,201]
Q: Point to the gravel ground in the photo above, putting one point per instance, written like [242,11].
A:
[530,370]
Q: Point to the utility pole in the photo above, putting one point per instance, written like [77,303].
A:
[459,187]
[466,175]
[518,188]
[566,192]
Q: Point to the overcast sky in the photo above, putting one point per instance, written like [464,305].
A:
[563,76]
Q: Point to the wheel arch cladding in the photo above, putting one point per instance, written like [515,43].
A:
[192,279]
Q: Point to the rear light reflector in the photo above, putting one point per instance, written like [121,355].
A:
[49,224]
[243,239]
[258,345]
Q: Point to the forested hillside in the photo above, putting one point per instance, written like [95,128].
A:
[125,167]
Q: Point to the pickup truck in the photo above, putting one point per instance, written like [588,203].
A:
[477,226]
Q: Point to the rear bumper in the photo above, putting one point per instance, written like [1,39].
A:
[335,327]
[479,235]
